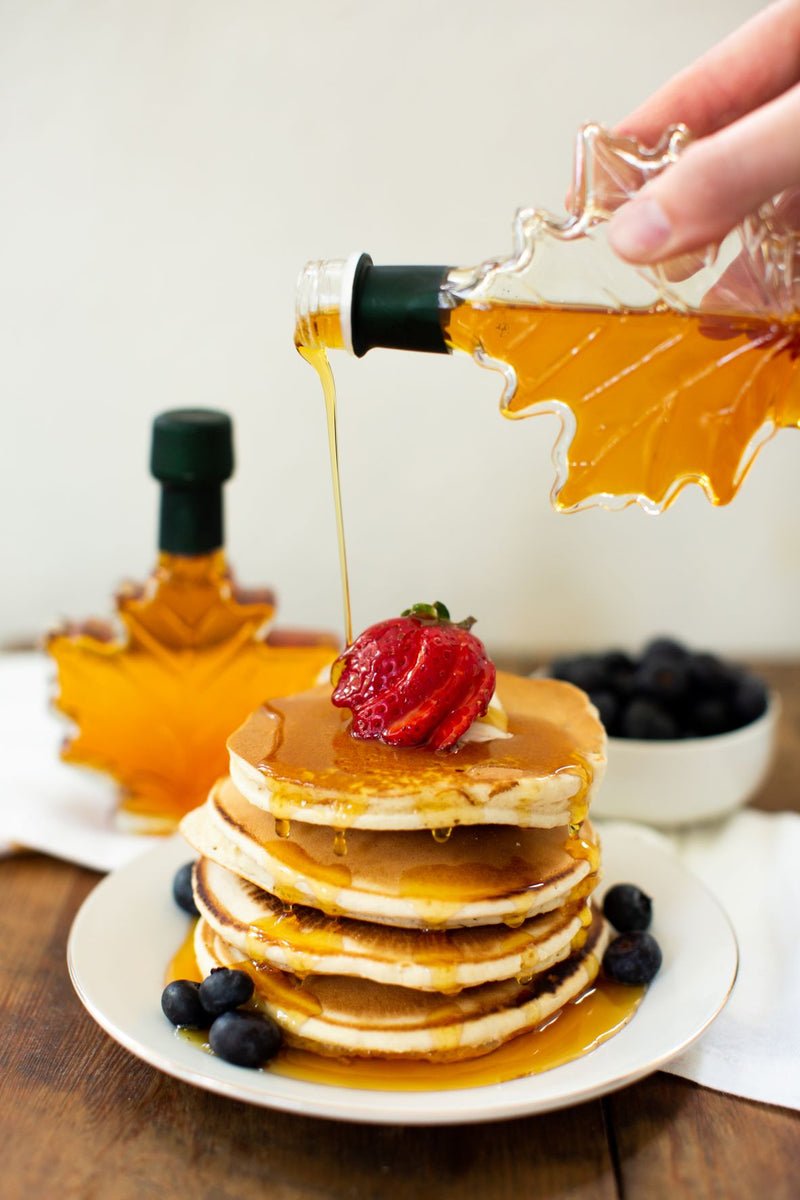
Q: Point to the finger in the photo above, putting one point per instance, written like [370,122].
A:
[750,67]
[714,184]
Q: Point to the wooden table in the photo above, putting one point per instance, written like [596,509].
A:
[80,1117]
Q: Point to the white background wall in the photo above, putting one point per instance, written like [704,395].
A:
[167,168]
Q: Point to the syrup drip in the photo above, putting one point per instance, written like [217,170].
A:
[195,1037]
[293,935]
[183,964]
[580,937]
[323,880]
[442,835]
[340,842]
[579,804]
[319,361]
[283,828]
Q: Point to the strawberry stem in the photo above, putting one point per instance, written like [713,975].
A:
[430,612]
[436,612]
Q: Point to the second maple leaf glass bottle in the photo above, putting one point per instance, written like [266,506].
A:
[661,376]
[154,700]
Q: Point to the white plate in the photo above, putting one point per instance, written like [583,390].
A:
[129,928]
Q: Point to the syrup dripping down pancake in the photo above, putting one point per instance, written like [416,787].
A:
[304,941]
[479,875]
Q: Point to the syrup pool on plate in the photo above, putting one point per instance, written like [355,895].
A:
[581,1025]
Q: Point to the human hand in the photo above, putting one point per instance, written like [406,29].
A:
[741,101]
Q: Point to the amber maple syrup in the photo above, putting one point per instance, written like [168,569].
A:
[579,1027]
[154,708]
[659,398]
[304,738]
[654,399]
[319,361]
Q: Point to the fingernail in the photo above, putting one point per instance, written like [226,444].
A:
[639,230]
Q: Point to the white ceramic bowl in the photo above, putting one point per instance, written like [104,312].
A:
[688,780]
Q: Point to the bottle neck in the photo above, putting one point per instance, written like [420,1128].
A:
[355,305]
[191,519]
[197,571]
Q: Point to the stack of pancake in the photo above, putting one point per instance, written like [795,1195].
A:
[405,902]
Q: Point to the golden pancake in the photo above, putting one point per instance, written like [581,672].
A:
[337,1015]
[304,941]
[295,758]
[479,875]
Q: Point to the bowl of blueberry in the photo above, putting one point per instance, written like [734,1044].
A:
[691,735]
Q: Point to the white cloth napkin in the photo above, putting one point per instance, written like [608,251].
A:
[44,804]
[749,861]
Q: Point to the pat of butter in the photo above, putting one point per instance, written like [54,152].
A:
[493,724]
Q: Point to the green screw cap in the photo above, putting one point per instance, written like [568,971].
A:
[192,445]
[191,457]
[397,308]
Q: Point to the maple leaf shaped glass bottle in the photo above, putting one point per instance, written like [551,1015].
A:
[661,376]
[154,700]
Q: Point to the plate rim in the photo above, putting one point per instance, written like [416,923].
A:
[502,1101]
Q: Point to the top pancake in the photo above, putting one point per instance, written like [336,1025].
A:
[295,758]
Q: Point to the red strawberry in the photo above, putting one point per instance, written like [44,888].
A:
[415,680]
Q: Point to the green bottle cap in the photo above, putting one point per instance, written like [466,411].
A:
[191,457]
[397,308]
[192,445]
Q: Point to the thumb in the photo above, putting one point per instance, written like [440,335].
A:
[715,183]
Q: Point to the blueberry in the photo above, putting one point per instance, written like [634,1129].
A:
[709,717]
[749,700]
[627,907]
[616,662]
[182,890]
[668,692]
[632,958]
[646,719]
[181,1004]
[665,647]
[607,704]
[225,989]
[663,677]
[584,671]
[710,676]
[246,1039]
[620,670]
